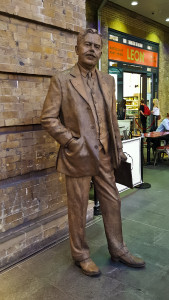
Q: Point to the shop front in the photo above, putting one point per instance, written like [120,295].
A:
[134,64]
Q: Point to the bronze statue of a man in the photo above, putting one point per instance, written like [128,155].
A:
[80,114]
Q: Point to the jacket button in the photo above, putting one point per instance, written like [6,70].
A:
[96,147]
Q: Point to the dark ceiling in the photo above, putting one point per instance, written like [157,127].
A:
[156,10]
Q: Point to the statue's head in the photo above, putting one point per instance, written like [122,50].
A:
[89,48]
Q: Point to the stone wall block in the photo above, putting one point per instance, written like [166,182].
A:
[27,51]
[28,200]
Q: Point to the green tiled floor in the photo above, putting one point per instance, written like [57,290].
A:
[52,275]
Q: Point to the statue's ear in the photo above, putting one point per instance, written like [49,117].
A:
[76,49]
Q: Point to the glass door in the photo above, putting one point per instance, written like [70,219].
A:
[132,93]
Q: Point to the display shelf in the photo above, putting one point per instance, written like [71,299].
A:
[132,105]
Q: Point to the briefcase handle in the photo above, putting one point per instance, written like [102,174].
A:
[129,159]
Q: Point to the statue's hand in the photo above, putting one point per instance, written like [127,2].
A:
[122,156]
[72,144]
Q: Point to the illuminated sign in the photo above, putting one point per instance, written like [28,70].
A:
[134,55]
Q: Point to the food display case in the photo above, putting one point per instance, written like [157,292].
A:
[132,106]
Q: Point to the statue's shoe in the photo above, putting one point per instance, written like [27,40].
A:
[88,267]
[128,259]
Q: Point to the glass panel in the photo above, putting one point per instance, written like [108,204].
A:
[118,75]
[149,100]
[149,91]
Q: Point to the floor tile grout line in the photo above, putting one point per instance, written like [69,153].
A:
[127,219]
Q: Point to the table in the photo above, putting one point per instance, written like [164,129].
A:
[155,136]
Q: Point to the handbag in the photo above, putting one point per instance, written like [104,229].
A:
[123,174]
[147,111]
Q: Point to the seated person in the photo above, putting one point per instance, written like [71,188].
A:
[164,126]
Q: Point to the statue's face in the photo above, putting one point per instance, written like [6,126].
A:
[89,51]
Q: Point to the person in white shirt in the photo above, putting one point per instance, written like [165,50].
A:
[156,114]
[164,126]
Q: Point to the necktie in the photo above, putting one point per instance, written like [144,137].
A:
[90,80]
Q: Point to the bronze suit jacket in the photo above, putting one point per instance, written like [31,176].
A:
[67,113]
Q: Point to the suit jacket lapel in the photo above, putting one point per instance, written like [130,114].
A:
[77,82]
[105,88]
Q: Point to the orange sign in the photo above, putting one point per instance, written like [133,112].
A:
[134,55]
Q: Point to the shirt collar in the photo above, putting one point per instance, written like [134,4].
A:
[85,72]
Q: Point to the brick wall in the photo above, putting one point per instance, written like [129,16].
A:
[114,17]
[21,98]
[21,153]
[31,199]
[65,14]
[37,40]
[33,48]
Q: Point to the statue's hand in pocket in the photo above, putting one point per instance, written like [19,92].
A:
[72,144]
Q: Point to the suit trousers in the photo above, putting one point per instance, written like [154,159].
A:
[110,204]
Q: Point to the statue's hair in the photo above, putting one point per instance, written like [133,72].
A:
[83,33]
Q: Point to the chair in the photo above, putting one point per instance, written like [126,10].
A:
[126,134]
[160,150]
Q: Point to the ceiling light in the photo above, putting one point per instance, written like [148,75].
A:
[134,3]
[167,20]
